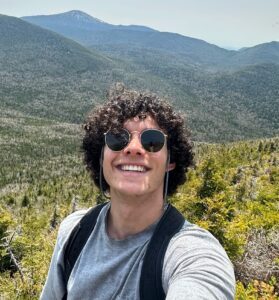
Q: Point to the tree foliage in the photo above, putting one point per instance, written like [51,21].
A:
[232,191]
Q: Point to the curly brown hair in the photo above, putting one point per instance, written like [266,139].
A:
[123,104]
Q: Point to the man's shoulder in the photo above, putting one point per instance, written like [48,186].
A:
[68,224]
[195,263]
[192,236]
[193,244]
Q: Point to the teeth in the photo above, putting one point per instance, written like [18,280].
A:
[133,168]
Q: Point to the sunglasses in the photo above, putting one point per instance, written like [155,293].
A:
[152,140]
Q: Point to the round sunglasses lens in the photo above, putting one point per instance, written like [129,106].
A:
[117,140]
[152,140]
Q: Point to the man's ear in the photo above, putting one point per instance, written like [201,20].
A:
[171,167]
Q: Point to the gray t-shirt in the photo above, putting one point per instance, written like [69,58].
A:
[195,265]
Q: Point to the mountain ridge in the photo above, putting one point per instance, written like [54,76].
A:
[83,20]
[76,14]
[98,33]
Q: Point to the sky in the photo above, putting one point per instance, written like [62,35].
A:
[231,24]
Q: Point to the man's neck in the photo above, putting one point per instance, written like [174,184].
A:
[131,216]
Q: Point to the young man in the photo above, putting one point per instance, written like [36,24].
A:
[137,151]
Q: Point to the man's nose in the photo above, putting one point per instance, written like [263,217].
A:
[134,147]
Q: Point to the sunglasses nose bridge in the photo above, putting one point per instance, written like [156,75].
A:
[134,143]
[133,133]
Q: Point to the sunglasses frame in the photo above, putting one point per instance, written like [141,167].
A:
[140,134]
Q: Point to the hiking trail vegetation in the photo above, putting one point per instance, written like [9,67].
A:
[233,191]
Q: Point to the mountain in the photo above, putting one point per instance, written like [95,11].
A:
[18,37]
[46,75]
[81,27]
[90,31]
[115,39]
[77,19]
[43,72]
[259,54]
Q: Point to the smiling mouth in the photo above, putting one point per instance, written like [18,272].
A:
[133,168]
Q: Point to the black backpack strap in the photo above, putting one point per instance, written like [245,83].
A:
[151,274]
[78,238]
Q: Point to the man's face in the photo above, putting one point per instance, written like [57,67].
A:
[134,171]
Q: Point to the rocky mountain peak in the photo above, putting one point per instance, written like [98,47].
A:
[82,17]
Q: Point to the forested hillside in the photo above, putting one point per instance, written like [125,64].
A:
[44,74]
[233,191]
